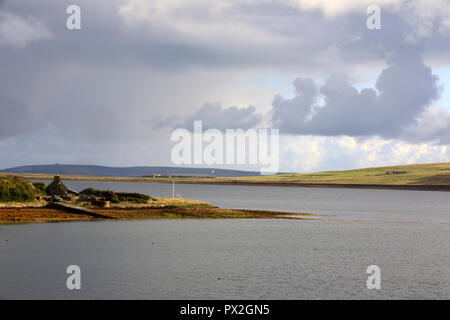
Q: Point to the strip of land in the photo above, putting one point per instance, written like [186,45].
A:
[432,177]
[160,209]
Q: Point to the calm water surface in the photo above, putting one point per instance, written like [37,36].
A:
[360,204]
[406,233]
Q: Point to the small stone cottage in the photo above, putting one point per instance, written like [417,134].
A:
[57,188]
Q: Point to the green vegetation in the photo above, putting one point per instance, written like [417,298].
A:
[115,197]
[180,203]
[40,188]
[15,189]
[134,197]
[413,175]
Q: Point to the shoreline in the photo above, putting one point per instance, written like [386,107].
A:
[412,187]
[60,213]
[328,185]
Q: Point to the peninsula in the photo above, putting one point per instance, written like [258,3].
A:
[24,202]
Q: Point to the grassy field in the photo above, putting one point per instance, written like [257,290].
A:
[432,176]
[416,174]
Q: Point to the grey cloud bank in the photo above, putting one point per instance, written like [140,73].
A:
[111,89]
[213,116]
[15,117]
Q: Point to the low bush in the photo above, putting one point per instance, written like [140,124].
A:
[15,189]
[40,188]
[116,197]
[134,197]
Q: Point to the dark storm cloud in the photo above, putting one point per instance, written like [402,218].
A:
[213,116]
[15,117]
[403,90]
[297,38]
[104,39]
[288,39]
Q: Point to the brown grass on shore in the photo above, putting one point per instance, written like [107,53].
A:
[196,213]
[162,203]
[30,215]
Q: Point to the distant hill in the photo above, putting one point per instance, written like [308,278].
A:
[64,169]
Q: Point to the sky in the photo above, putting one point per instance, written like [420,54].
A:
[111,93]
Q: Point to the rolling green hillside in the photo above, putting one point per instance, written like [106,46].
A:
[415,174]
[430,176]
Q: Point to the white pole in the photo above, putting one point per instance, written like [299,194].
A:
[173,189]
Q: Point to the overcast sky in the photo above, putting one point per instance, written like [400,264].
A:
[343,96]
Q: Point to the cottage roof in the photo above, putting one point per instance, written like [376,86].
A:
[57,188]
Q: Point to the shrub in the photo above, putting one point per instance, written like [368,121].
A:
[40,188]
[110,196]
[90,192]
[15,189]
[115,197]
[134,197]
